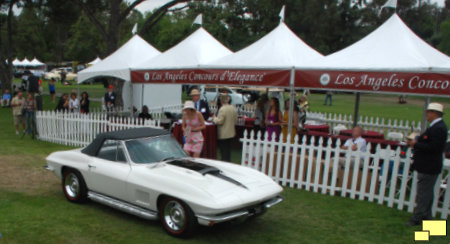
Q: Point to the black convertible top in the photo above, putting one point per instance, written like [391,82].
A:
[127,134]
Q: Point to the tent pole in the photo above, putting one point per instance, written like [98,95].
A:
[423,126]
[356,113]
[142,97]
[130,105]
[291,101]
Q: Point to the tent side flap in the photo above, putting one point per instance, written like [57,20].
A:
[375,82]
[273,78]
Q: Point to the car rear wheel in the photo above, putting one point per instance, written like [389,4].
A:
[177,218]
[73,186]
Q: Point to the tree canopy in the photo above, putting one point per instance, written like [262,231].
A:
[80,30]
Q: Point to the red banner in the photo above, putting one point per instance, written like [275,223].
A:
[383,82]
[241,77]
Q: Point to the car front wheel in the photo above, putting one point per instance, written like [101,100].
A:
[177,218]
[73,186]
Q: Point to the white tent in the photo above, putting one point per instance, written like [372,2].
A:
[392,46]
[17,62]
[35,62]
[97,60]
[280,48]
[118,63]
[199,48]
[25,62]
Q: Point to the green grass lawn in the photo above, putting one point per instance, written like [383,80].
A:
[33,210]
[376,105]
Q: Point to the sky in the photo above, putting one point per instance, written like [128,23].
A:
[149,5]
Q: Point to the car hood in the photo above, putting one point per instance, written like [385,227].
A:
[232,185]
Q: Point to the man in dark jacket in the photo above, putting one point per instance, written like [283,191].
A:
[427,161]
[110,98]
[200,105]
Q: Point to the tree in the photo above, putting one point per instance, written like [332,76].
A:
[108,28]
[445,32]
[29,39]
[85,42]
[6,67]
[60,17]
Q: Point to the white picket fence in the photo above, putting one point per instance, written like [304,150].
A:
[158,112]
[379,124]
[364,176]
[76,129]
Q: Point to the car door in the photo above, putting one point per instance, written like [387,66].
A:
[109,170]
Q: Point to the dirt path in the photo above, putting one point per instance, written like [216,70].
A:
[24,173]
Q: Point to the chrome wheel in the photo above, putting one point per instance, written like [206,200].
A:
[174,216]
[72,185]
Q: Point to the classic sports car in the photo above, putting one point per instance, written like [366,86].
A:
[145,172]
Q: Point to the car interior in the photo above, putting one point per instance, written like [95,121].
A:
[113,151]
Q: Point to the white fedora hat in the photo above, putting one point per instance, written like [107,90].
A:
[189,105]
[412,136]
[436,107]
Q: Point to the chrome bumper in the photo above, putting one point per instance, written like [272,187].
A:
[250,211]
[47,167]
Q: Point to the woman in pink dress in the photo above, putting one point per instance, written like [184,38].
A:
[274,119]
[193,124]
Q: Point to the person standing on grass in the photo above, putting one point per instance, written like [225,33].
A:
[274,119]
[329,96]
[17,104]
[6,98]
[110,98]
[84,104]
[74,103]
[30,108]
[226,120]
[145,115]
[52,89]
[193,124]
[427,161]
[63,104]
[304,106]
[285,124]
[200,105]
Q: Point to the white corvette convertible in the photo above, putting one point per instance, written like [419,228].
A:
[145,172]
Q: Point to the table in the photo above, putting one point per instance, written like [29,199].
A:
[318,128]
[366,134]
[210,136]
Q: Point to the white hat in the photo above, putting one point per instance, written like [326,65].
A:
[412,136]
[189,105]
[436,107]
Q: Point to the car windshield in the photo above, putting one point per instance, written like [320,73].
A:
[156,149]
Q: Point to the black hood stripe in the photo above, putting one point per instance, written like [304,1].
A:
[204,169]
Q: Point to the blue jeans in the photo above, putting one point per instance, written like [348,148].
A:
[326,100]
[31,121]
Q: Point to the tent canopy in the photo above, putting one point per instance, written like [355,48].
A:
[25,62]
[280,48]
[118,64]
[201,59]
[391,59]
[392,46]
[97,60]
[35,62]
[199,48]
[16,62]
